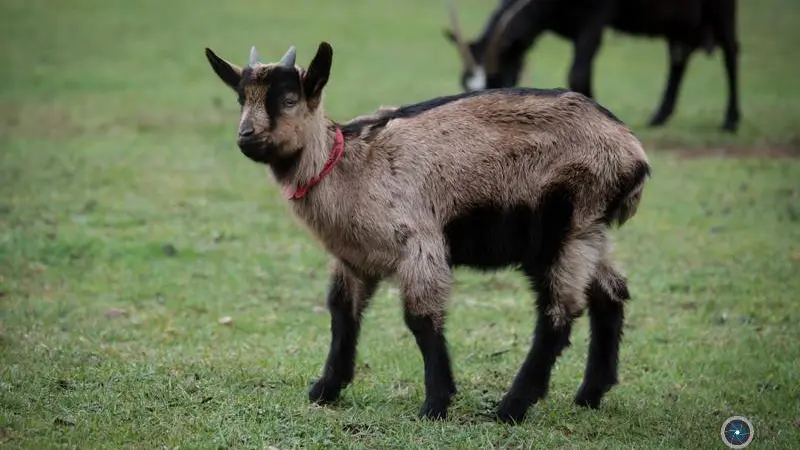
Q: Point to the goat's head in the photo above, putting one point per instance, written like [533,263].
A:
[493,62]
[280,102]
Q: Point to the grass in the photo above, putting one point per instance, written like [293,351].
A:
[130,225]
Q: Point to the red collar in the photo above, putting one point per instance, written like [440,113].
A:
[336,154]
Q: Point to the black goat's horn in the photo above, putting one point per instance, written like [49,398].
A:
[463,49]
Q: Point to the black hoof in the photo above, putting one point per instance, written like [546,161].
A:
[434,409]
[512,410]
[658,120]
[588,400]
[730,127]
[591,396]
[324,392]
[731,122]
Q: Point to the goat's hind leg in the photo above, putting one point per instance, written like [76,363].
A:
[725,31]
[551,337]
[607,294]
[561,298]
[679,54]
[348,296]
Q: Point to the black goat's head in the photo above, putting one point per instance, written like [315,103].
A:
[280,101]
[493,62]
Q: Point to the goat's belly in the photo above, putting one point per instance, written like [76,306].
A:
[493,237]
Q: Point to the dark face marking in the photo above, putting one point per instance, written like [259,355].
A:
[270,98]
[276,88]
[284,93]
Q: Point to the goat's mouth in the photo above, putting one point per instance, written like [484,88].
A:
[474,80]
[255,149]
[261,151]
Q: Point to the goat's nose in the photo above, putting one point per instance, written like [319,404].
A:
[246,132]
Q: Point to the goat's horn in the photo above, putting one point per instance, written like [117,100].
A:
[254,58]
[492,54]
[463,49]
[289,57]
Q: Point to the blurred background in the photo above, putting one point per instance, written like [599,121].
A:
[155,292]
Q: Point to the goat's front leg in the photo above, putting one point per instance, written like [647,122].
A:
[586,45]
[348,296]
[425,280]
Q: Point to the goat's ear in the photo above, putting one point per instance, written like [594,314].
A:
[229,73]
[317,74]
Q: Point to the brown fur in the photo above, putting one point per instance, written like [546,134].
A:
[447,161]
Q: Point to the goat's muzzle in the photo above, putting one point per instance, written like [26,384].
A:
[250,145]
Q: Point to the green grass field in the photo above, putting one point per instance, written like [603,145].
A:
[130,226]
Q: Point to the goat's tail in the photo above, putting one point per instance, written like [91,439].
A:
[625,204]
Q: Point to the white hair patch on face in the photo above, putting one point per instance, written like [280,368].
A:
[476,80]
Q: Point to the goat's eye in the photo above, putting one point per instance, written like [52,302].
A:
[289,102]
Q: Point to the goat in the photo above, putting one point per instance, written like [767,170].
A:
[524,178]
[495,58]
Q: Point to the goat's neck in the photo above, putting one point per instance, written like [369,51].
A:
[329,204]
[537,23]
[316,152]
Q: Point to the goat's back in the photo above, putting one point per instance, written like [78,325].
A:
[505,148]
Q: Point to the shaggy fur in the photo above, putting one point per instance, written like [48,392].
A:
[520,178]
[497,55]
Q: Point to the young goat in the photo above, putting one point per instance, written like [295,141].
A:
[495,59]
[509,177]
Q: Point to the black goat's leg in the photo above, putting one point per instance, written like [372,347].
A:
[586,43]
[348,297]
[726,33]
[678,59]
[425,284]
[585,48]
[607,294]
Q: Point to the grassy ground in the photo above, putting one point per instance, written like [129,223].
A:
[130,225]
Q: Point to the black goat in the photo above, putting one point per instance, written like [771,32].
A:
[495,58]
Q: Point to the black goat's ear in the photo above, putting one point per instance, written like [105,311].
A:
[316,77]
[229,73]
